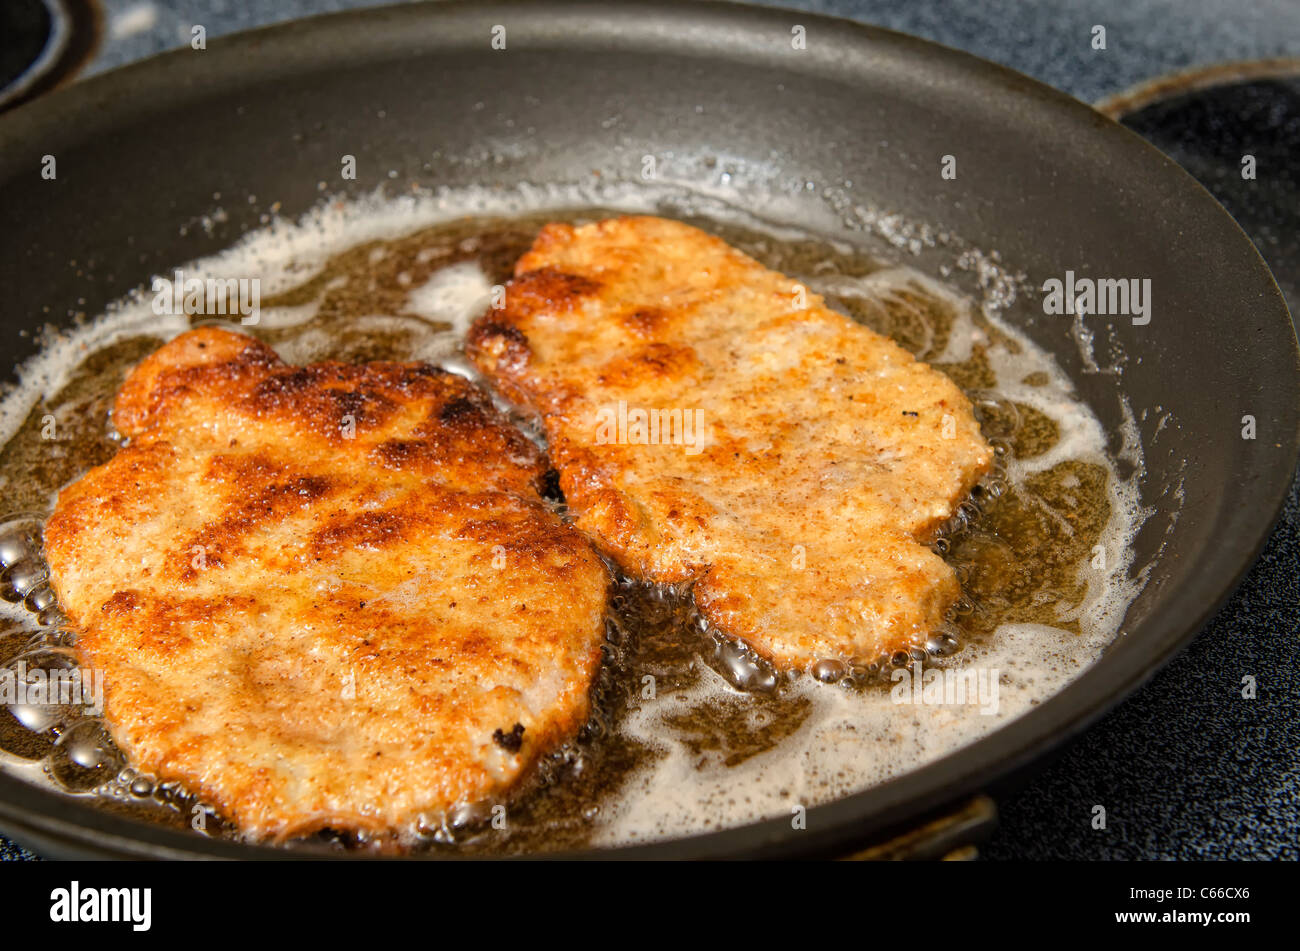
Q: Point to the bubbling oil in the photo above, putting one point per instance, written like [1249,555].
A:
[690,731]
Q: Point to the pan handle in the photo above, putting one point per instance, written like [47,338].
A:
[951,836]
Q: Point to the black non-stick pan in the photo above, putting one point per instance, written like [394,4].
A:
[414,92]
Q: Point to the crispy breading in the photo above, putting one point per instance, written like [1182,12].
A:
[825,456]
[316,593]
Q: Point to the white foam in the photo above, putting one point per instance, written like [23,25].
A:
[455,295]
[849,740]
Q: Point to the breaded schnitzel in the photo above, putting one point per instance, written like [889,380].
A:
[714,422]
[328,595]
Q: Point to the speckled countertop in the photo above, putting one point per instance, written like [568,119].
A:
[1186,768]
[1145,38]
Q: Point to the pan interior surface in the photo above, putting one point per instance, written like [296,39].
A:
[846,137]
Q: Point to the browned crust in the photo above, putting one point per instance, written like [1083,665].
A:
[273,533]
[832,457]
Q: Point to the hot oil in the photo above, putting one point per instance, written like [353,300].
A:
[679,712]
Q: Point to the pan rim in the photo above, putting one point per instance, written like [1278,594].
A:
[26,808]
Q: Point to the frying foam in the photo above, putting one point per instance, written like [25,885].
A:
[853,740]
[850,740]
[455,295]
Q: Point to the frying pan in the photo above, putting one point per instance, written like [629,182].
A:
[415,92]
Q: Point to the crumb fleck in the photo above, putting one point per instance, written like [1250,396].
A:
[511,742]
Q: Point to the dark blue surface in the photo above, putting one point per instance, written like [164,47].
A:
[1188,768]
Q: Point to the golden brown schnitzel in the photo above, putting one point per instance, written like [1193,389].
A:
[327,595]
[714,422]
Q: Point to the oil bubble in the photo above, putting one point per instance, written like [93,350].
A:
[84,758]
